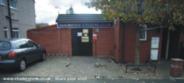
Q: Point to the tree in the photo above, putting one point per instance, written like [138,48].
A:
[166,13]
[153,11]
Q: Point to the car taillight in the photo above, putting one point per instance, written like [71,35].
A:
[12,54]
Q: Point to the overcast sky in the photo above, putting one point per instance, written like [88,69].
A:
[47,10]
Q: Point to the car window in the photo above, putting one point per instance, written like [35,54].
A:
[27,44]
[31,44]
[17,44]
[4,45]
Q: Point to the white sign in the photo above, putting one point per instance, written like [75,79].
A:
[79,34]
[94,35]
[85,30]
[154,54]
[155,42]
[85,39]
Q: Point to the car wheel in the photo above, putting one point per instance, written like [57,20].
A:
[22,65]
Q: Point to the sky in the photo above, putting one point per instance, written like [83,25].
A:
[47,10]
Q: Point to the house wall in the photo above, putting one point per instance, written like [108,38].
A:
[23,17]
[25,14]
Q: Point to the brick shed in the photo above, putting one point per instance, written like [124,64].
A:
[92,35]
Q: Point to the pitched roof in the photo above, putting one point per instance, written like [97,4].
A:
[78,18]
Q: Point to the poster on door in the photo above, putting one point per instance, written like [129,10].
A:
[85,39]
[85,36]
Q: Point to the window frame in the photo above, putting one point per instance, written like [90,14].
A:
[5,30]
[15,4]
[2,2]
[14,30]
[143,28]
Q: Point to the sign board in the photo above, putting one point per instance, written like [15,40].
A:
[94,37]
[154,54]
[154,48]
[84,25]
[85,39]
[79,34]
[85,31]
[155,42]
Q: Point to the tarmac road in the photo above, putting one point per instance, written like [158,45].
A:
[103,81]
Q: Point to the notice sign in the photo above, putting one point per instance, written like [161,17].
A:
[155,42]
[85,31]
[85,39]
[79,34]
[154,48]
[154,54]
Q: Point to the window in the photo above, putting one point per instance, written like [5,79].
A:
[31,44]
[15,33]
[5,32]
[142,33]
[5,45]
[13,3]
[27,44]
[2,2]
[23,44]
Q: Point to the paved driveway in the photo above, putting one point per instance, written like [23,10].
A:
[79,66]
[84,68]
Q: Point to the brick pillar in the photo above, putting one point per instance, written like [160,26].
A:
[117,46]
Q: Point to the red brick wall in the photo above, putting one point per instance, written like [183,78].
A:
[55,41]
[130,42]
[66,41]
[60,40]
[117,41]
[105,42]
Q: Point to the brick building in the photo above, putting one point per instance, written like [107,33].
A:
[22,18]
[92,35]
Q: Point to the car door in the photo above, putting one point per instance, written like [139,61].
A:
[24,50]
[35,51]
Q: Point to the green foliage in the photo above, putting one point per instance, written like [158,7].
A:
[164,12]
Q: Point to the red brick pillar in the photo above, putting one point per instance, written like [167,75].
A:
[117,54]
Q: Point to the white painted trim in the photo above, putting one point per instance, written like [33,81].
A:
[145,34]
[144,39]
